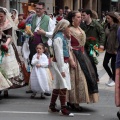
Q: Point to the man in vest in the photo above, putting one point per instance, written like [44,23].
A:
[42,27]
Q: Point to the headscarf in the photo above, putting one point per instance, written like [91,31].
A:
[61,26]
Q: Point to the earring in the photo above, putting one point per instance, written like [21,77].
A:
[73,23]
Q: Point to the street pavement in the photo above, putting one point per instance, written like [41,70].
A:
[19,106]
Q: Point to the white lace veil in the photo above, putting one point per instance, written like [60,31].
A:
[8,17]
[16,17]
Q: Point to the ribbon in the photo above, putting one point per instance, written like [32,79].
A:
[2,55]
[91,50]
[94,52]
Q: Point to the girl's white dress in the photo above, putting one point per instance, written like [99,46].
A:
[39,76]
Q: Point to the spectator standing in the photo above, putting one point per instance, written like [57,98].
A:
[92,29]
[111,46]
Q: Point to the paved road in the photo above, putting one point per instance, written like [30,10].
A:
[19,106]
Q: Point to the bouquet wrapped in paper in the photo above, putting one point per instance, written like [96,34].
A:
[4,48]
[93,48]
[4,51]
[28,30]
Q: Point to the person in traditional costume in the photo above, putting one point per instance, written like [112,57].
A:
[8,60]
[60,67]
[30,15]
[84,88]
[39,75]
[14,14]
[60,16]
[117,76]
[42,27]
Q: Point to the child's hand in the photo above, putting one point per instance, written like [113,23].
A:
[38,56]
[38,65]
[63,74]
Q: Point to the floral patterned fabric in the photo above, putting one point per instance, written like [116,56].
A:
[80,84]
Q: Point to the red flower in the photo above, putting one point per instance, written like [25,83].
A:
[92,38]
[59,18]
[4,48]
[21,25]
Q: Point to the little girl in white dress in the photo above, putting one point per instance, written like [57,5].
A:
[39,75]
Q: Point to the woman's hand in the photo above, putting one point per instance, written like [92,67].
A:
[63,74]
[67,34]
[6,45]
[7,42]
[73,64]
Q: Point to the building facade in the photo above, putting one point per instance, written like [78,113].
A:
[53,5]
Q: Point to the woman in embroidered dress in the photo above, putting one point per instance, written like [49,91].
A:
[8,61]
[84,87]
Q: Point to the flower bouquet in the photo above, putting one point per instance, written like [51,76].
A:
[4,51]
[21,25]
[4,48]
[28,30]
[59,18]
[93,48]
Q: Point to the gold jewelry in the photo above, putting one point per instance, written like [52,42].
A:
[73,23]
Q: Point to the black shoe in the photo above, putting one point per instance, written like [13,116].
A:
[6,94]
[74,107]
[29,91]
[33,95]
[78,109]
[52,108]
[71,105]
[64,111]
[25,84]
[0,97]
[47,94]
[42,97]
[118,115]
